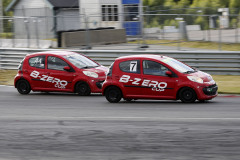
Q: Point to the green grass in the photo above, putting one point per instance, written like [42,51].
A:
[193,44]
[227,84]
[6,35]
[7,77]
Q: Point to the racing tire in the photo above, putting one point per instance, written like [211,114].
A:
[187,95]
[83,89]
[23,87]
[113,94]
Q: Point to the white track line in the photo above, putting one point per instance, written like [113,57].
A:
[116,118]
[5,86]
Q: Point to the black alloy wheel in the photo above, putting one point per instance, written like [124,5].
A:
[23,87]
[113,94]
[83,89]
[187,95]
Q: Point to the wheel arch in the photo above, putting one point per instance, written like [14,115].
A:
[23,86]
[20,80]
[184,87]
[80,81]
[110,87]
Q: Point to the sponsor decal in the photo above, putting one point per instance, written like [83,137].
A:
[58,83]
[155,85]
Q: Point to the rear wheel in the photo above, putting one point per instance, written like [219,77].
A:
[23,87]
[187,95]
[83,89]
[113,94]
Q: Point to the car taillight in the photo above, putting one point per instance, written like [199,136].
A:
[20,66]
[109,74]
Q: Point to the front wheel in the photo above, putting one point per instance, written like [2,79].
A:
[23,87]
[187,95]
[113,94]
[83,89]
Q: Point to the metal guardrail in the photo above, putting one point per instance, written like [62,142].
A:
[213,62]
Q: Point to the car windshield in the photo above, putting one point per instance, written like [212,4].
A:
[81,61]
[179,66]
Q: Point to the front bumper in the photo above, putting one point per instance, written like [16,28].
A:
[207,92]
[99,84]
[96,85]
[210,90]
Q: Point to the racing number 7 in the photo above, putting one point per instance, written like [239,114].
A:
[133,66]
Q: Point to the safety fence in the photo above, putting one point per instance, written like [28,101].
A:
[213,62]
[150,29]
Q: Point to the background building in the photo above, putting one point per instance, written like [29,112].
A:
[44,18]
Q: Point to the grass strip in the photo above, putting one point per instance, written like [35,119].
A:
[191,44]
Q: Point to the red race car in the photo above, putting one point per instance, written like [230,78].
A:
[156,77]
[60,71]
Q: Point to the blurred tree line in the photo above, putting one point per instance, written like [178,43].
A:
[5,4]
[197,8]
[7,25]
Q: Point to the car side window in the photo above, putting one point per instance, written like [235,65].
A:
[132,66]
[154,68]
[37,62]
[56,63]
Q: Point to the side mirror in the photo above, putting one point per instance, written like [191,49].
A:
[169,73]
[67,68]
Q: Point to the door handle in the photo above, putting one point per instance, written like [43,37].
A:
[26,71]
[117,77]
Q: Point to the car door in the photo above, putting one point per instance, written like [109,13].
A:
[36,70]
[58,78]
[157,83]
[130,76]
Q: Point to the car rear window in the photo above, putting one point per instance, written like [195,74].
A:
[37,62]
[132,66]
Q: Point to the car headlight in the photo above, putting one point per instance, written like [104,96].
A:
[91,74]
[210,78]
[195,79]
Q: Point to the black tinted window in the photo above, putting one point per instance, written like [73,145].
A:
[38,62]
[56,63]
[132,66]
[154,68]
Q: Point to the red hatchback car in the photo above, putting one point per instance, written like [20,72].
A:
[60,71]
[156,77]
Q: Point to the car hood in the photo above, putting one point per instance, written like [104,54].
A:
[100,70]
[207,78]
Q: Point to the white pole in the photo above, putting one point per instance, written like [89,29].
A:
[80,14]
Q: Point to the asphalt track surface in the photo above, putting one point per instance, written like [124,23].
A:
[59,126]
